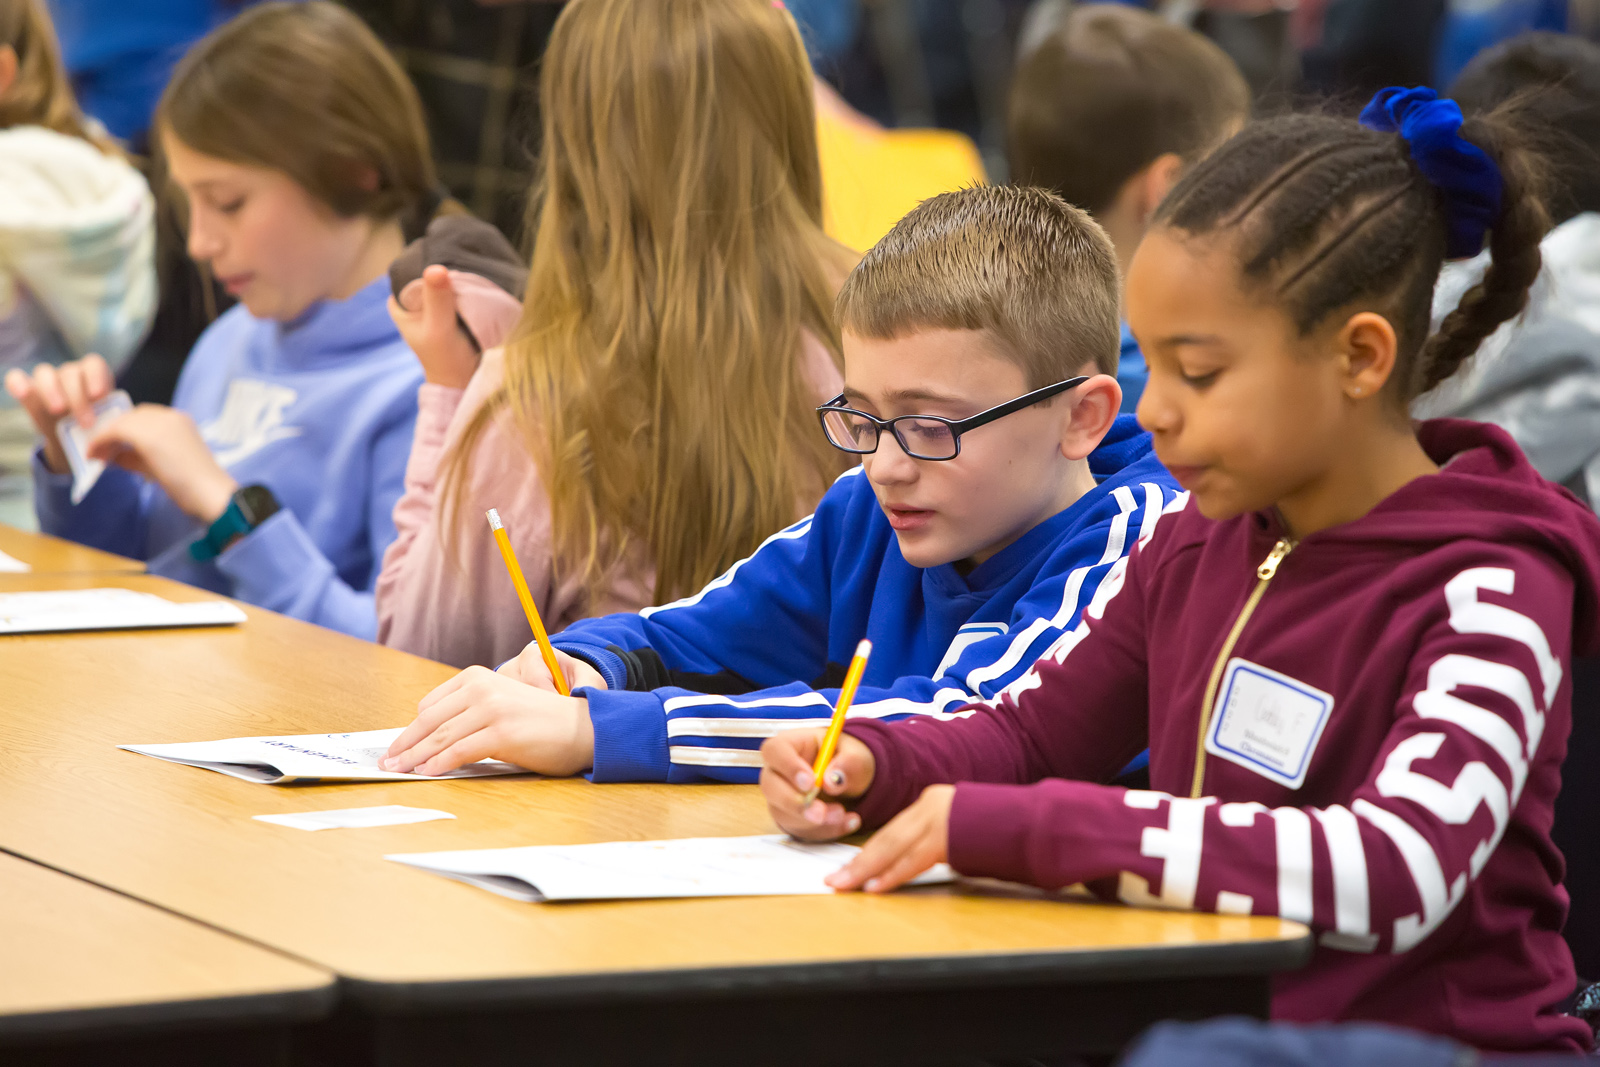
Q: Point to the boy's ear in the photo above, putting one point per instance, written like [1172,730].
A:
[8,68]
[1094,407]
[1156,181]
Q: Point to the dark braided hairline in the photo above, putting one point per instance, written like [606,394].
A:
[1329,247]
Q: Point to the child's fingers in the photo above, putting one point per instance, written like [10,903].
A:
[97,377]
[477,745]
[790,756]
[74,386]
[444,689]
[881,852]
[428,714]
[408,300]
[905,867]
[438,299]
[462,720]
[19,384]
[47,385]
[850,772]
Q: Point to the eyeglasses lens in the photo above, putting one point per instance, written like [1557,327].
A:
[926,438]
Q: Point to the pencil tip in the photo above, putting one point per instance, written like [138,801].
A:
[494,519]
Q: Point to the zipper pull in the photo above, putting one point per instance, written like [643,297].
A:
[1269,566]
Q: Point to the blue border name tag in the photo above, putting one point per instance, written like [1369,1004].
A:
[1267,722]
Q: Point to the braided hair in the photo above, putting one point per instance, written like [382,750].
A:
[1327,214]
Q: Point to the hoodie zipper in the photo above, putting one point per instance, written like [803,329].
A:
[1264,576]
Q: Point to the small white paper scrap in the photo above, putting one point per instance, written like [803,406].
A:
[75,442]
[355,818]
[768,865]
[12,565]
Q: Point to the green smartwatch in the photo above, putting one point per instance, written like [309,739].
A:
[248,508]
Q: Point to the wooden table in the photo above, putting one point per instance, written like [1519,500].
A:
[437,971]
[98,969]
[51,555]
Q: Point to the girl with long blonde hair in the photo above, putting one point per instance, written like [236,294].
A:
[650,421]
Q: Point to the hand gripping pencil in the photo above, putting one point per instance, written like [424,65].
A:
[830,742]
[545,648]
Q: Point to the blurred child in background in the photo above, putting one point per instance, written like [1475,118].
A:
[1107,109]
[77,270]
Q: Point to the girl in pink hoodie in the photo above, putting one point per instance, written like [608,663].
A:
[1348,651]
[650,419]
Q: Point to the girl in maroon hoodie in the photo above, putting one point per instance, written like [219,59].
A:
[1347,650]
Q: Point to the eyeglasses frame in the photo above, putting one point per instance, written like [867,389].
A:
[958,427]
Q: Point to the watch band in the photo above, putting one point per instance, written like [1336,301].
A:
[248,508]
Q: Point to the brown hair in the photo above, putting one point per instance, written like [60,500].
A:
[1326,214]
[307,89]
[1023,264]
[1110,90]
[41,94]
[678,265]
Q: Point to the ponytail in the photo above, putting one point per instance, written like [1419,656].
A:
[1514,258]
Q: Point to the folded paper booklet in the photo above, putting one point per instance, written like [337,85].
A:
[107,609]
[769,865]
[307,757]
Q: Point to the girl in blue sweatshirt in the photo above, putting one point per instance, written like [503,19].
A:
[300,148]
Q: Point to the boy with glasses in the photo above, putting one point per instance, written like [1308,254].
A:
[998,485]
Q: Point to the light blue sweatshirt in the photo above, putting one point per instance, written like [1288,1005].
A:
[319,410]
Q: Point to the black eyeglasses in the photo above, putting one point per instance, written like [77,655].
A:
[920,436]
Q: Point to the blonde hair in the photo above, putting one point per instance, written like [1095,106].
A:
[307,89]
[41,95]
[657,373]
[1037,273]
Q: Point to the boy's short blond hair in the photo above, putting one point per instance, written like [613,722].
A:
[1035,272]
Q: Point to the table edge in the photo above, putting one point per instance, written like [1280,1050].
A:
[285,1006]
[1241,958]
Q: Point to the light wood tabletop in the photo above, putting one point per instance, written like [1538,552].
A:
[79,957]
[184,838]
[51,555]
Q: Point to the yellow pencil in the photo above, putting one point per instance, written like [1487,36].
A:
[545,648]
[830,741]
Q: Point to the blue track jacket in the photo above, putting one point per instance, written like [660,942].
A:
[697,685]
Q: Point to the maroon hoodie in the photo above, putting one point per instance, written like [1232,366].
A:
[1363,733]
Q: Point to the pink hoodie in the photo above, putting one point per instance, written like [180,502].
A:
[1392,706]
[447,596]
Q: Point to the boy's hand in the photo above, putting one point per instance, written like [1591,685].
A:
[786,778]
[529,669]
[51,392]
[164,445]
[914,840]
[425,315]
[479,714]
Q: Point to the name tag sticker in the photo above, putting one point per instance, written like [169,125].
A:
[1267,722]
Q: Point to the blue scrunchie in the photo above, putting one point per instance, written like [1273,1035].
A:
[1465,176]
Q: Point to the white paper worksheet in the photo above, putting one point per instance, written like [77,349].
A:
[10,564]
[768,865]
[324,757]
[107,609]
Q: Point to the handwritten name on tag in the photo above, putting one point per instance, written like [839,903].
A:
[1267,722]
